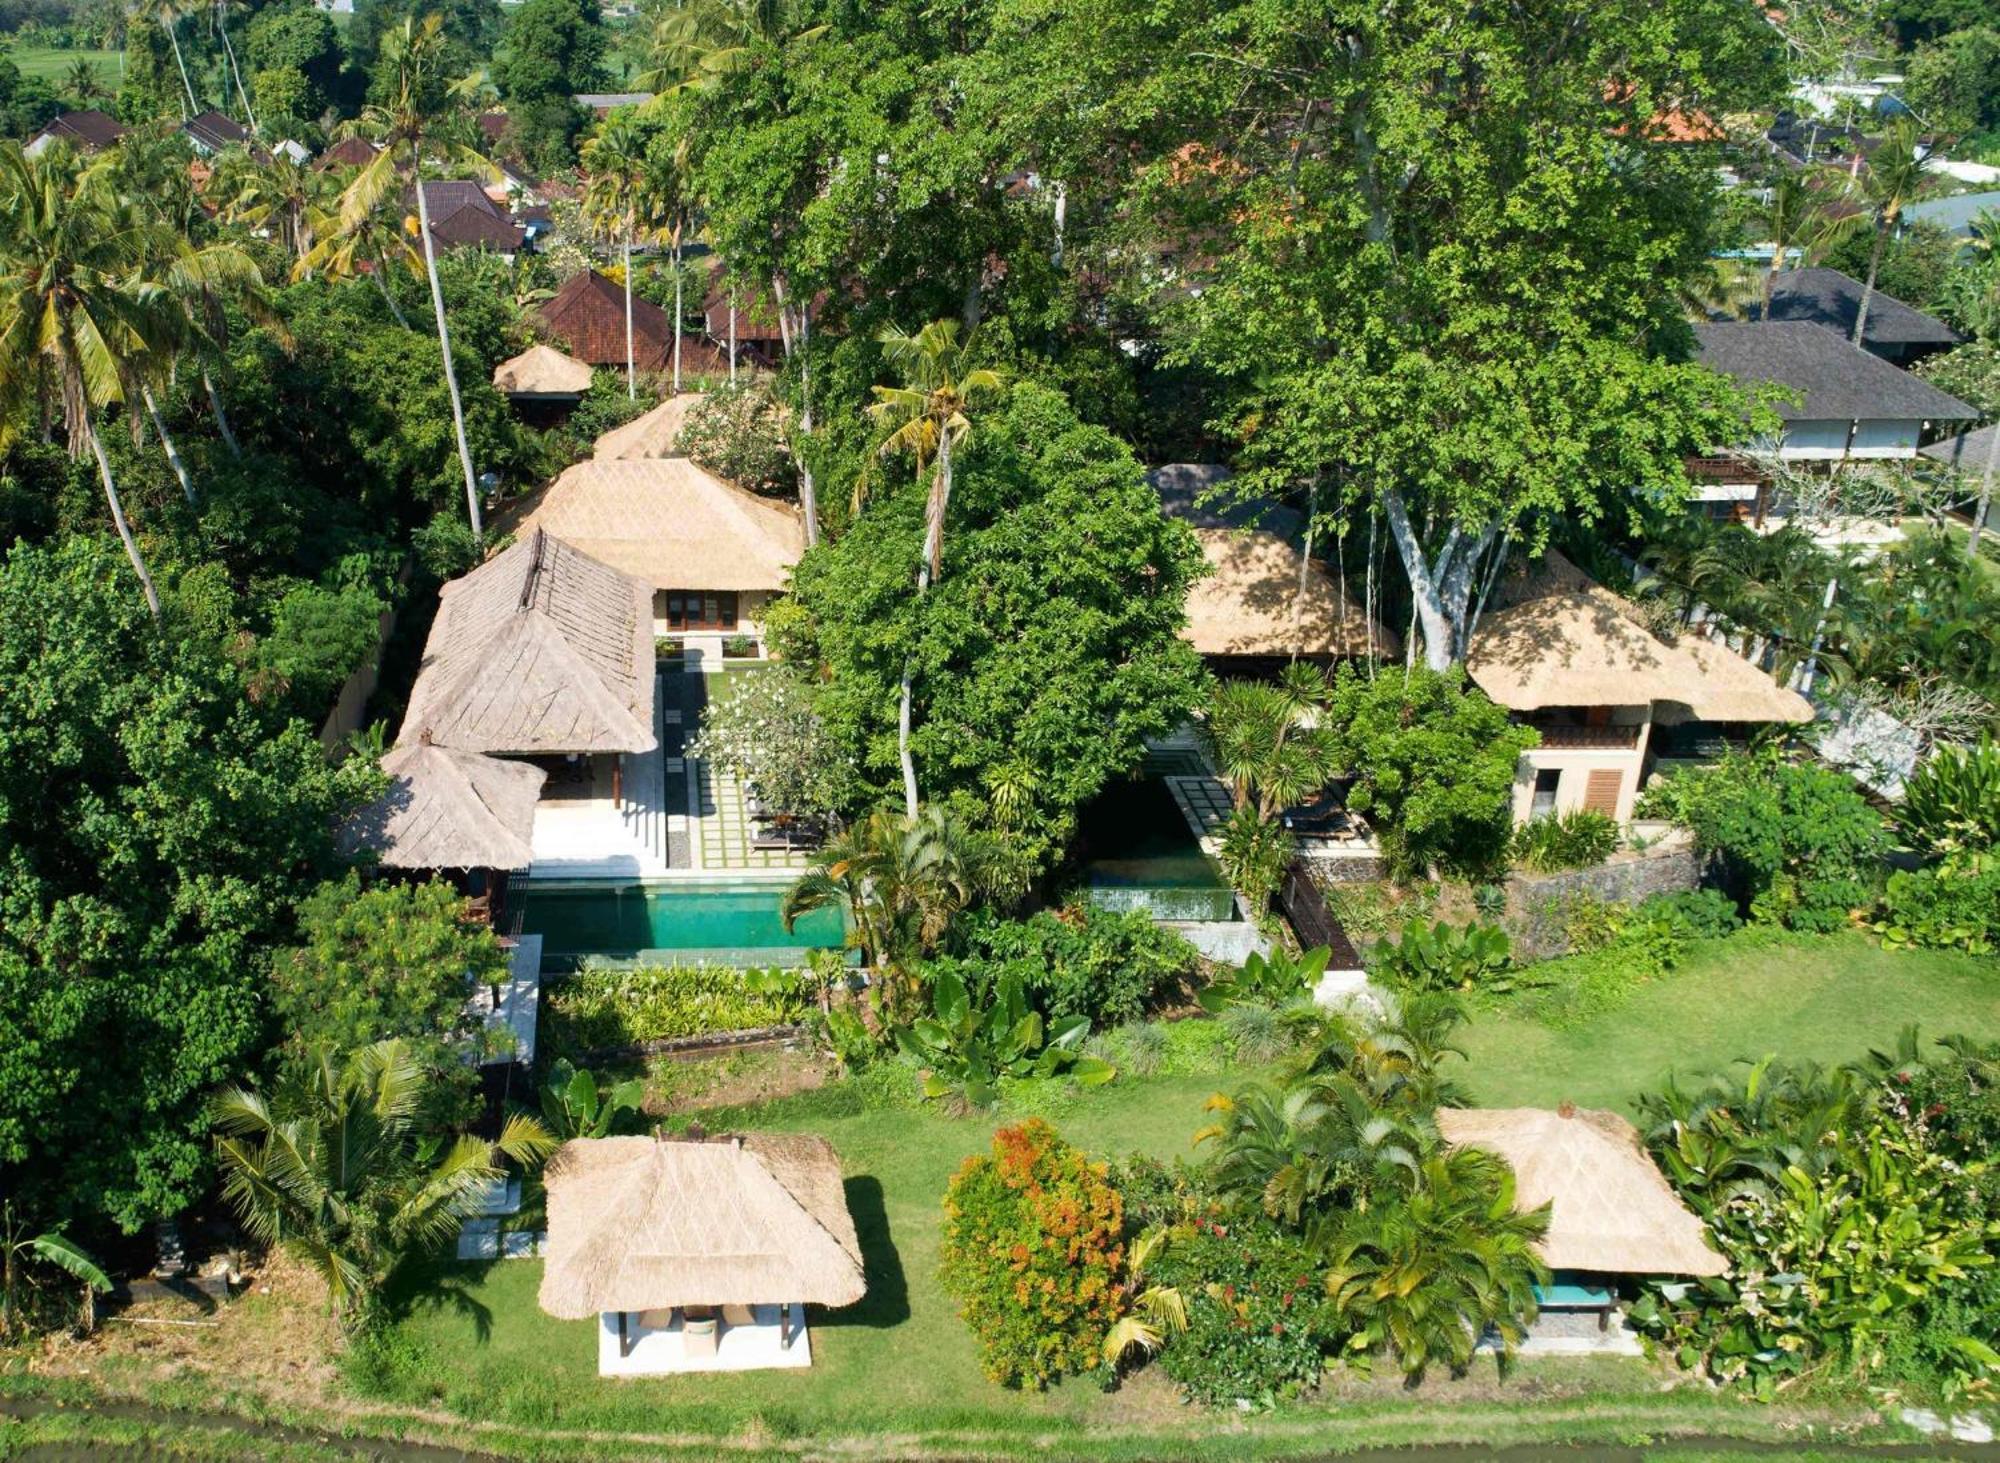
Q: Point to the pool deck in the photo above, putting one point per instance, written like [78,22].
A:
[682,817]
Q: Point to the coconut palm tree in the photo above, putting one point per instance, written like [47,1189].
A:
[332,1162]
[74,304]
[277,194]
[1796,217]
[411,129]
[367,247]
[80,82]
[1894,176]
[168,14]
[928,416]
[901,881]
[615,194]
[220,19]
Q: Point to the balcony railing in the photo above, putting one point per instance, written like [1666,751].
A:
[1589,738]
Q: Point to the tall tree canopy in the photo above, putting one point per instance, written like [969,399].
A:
[155,828]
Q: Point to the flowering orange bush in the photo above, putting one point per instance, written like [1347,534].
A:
[1034,1252]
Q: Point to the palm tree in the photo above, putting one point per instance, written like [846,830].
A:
[1894,177]
[80,82]
[1795,217]
[19,1249]
[901,881]
[167,14]
[367,247]
[277,194]
[72,300]
[333,1163]
[615,165]
[409,123]
[1427,1270]
[1154,1313]
[220,13]
[1259,736]
[1316,1145]
[700,44]
[928,416]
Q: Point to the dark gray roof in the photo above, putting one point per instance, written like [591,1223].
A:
[88,129]
[215,131]
[447,196]
[1838,381]
[1189,491]
[1953,215]
[1967,451]
[1828,297]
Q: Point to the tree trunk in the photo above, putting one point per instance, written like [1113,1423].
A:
[677,310]
[930,565]
[732,334]
[380,275]
[1868,285]
[444,345]
[221,418]
[903,709]
[173,38]
[118,518]
[1985,502]
[631,358]
[167,445]
[1061,191]
[1426,596]
[222,29]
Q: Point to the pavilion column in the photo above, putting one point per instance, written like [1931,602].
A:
[618,779]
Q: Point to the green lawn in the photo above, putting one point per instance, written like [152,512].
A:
[900,1369]
[1829,1000]
[52,64]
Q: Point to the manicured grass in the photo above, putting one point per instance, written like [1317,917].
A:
[1827,999]
[52,64]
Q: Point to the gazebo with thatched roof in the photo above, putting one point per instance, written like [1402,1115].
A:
[542,374]
[1611,1211]
[1576,662]
[448,809]
[698,1253]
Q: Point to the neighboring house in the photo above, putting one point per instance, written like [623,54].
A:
[588,316]
[1573,660]
[86,131]
[1967,455]
[713,555]
[744,318]
[602,104]
[1895,332]
[296,153]
[698,1253]
[211,132]
[464,216]
[541,382]
[1852,404]
[1953,215]
[349,152]
[1263,602]
[655,434]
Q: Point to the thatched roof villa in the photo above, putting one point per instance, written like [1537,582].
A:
[698,1253]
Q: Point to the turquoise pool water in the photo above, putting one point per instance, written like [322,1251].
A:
[1141,854]
[719,924]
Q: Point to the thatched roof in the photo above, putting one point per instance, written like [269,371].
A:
[541,649]
[652,435]
[447,809]
[541,370]
[1610,1210]
[672,525]
[1559,638]
[640,1224]
[1252,601]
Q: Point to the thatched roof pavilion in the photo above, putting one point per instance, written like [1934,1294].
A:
[647,1224]
[1610,1211]
[670,524]
[448,809]
[541,371]
[653,435]
[541,649]
[1559,638]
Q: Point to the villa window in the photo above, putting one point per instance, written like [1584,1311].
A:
[693,609]
[1547,781]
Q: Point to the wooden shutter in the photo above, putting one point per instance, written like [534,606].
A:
[1600,794]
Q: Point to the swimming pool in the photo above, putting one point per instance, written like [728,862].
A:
[712,923]
[1139,853]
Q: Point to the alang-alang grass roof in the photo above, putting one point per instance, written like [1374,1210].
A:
[541,649]
[448,809]
[638,1224]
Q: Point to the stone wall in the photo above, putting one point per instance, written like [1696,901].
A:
[1535,902]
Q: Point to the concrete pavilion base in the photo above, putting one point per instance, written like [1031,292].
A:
[748,1339]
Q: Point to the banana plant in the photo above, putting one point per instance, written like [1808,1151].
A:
[967,1048]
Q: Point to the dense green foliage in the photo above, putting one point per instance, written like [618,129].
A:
[1951,803]
[1260,1323]
[554,49]
[1077,961]
[1799,838]
[607,1006]
[155,827]
[737,432]
[1444,957]
[975,1037]
[1579,839]
[1033,1245]
[762,725]
[1047,651]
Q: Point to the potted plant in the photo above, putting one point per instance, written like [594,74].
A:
[668,647]
[740,647]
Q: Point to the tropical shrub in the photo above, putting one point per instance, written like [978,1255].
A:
[760,724]
[1444,957]
[1576,988]
[1267,980]
[605,1006]
[1799,837]
[1697,914]
[1033,1251]
[737,431]
[966,1047]
[1580,839]
[1259,1325]
[1253,854]
[1952,802]
[1433,762]
[1077,961]
[1953,904]
[575,1104]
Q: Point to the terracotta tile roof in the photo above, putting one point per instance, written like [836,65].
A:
[349,152]
[588,315]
